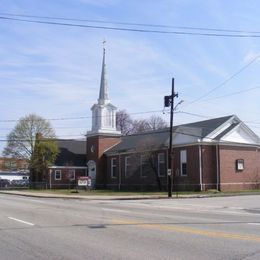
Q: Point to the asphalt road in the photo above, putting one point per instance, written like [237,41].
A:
[204,228]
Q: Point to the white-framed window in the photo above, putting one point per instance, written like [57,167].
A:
[57,175]
[240,165]
[161,164]
[113,168]
[183,162]
[143,165]
[127,166]
[72,174]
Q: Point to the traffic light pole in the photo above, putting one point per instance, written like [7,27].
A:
[170,155]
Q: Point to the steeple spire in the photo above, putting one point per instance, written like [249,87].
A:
[103,92]
[103,113]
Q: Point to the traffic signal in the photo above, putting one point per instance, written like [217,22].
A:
[167,101]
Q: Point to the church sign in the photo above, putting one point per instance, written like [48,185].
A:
[84,181]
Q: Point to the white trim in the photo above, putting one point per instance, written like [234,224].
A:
[232,183]
[67,167]
[183,160]
[200,166]
[246,129]
[217,164]
[222,127]
[57,179]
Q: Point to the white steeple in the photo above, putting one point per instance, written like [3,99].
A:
[103,113]
[103,93]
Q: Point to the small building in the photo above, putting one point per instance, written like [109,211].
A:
[13,164]
[69,164]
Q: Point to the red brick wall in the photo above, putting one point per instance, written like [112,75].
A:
[209,167]
[9,164]
[134,181]
[230,178]
[65,181]
[101,144]
[191,181]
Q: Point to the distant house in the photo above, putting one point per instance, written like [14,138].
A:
[13,164]
[69,165]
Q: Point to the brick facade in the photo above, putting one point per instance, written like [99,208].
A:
[208,167]
[139,173]
[233,179]
[96,146]
[13,164]
[67,178]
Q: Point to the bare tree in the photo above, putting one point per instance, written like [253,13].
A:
[128,126]
[156,122]
[124,122]
[140,126]
[21,140]
[148,148]
[33,139]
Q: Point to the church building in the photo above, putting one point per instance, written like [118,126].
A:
[220,153]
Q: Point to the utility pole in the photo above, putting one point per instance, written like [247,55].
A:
[169,101]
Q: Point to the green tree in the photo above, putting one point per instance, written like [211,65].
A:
[33,138]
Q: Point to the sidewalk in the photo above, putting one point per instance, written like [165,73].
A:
[85,197]
[96,197]
[121,197]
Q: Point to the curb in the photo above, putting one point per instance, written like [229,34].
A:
[126,197]
[50,196]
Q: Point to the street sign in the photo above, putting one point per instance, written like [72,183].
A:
[169,172]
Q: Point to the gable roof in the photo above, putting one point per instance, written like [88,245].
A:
[153,139]
[71,152]
[207,126]
[160,138]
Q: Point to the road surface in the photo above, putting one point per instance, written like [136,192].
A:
[204,228]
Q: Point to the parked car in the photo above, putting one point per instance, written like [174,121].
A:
[20,183]
[4,183]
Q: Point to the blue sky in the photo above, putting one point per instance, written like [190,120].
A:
[54,71]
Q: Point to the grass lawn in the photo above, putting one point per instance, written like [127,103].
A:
[93,192]
[136,193]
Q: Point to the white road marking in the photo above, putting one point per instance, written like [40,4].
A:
[255,224]
[19,220]
[116,210]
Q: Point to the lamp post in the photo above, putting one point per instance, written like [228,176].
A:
[169,101]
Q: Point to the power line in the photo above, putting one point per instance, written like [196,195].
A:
[81,117]
[232,94]
[130,23]
[133,29]
[137,134]
[228,79]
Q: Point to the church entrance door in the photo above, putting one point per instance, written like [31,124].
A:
[92,172]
